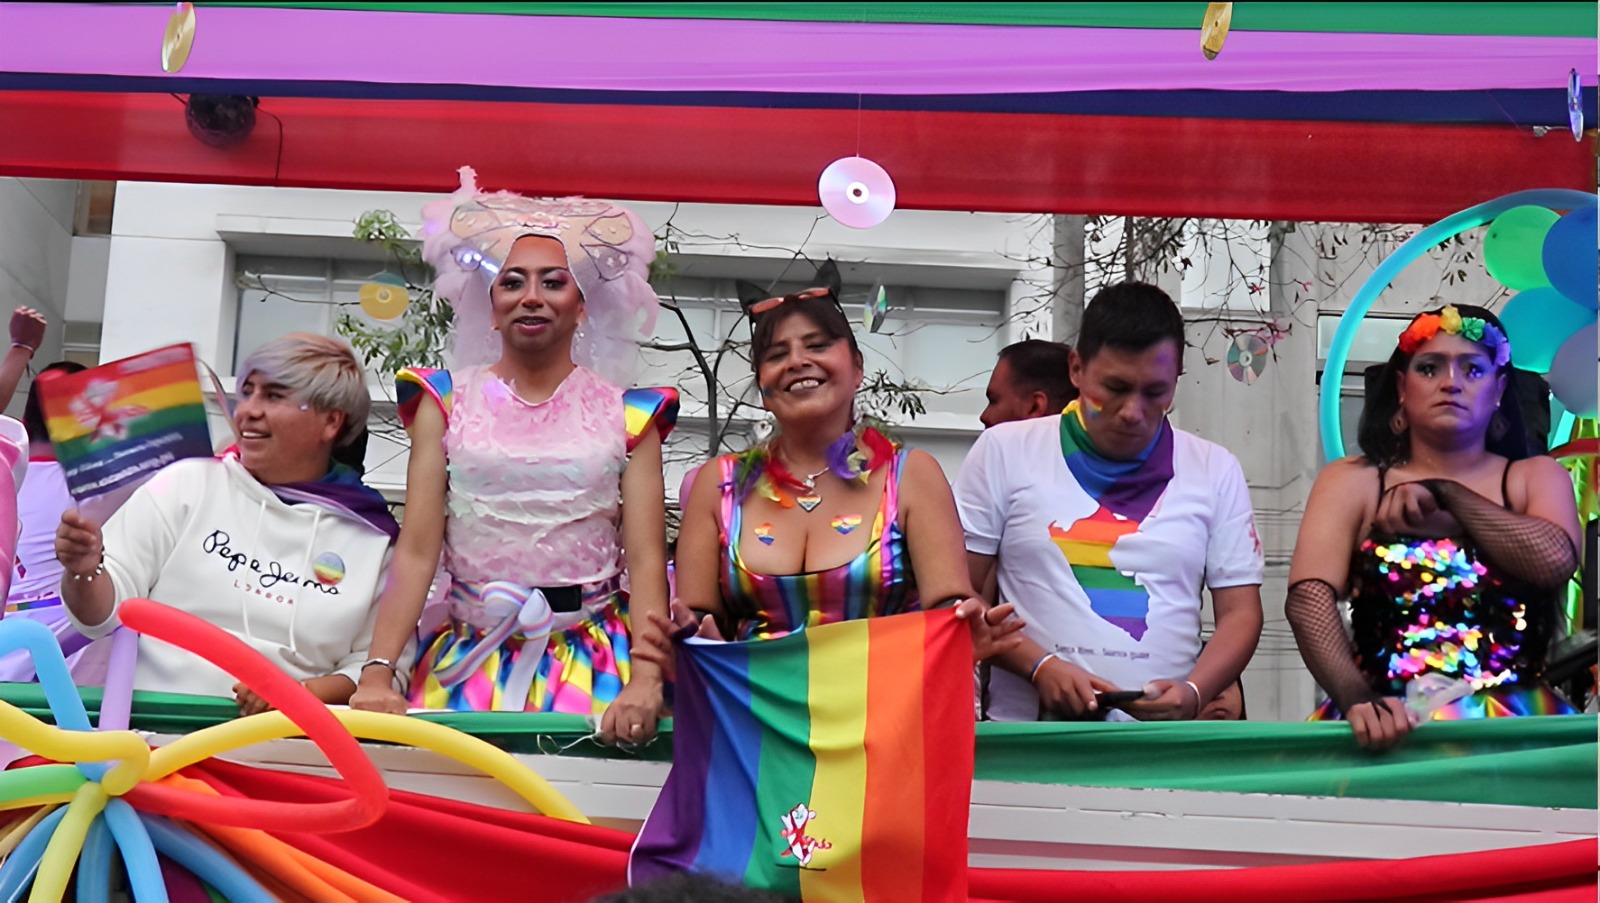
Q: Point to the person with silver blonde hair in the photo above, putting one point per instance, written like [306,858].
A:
[274,541]
[321,370]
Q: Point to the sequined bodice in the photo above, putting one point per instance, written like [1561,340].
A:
[535,489]
[1423,606]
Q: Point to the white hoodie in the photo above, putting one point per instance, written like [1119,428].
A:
[298,583]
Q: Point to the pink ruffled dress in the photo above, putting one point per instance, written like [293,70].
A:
[538,607]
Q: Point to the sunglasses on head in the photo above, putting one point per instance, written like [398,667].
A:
[760,307]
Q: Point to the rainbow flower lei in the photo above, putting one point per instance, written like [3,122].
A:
[1474,329]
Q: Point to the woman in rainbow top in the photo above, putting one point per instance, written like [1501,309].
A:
[1451,541]
[830,520]
[533,469]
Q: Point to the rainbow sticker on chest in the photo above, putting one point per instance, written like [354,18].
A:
[764,533]
[846,523]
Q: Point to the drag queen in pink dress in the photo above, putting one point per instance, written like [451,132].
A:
[537,473]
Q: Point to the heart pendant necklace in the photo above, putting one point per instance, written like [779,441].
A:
[805,488]
[811,499]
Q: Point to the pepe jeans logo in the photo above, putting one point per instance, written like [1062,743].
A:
[800,845]
[327,569]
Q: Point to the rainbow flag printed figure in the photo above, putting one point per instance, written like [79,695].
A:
[1127,491]
[1113,595]
[834,763]
[119,422]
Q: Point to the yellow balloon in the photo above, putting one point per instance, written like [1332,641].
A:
[44,799]
[448,742]
[61,854]
[52,742]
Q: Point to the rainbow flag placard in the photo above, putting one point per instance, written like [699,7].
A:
[834,763]
[120,422]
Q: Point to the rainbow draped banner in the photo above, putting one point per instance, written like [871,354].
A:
[1104,108]
[841,758]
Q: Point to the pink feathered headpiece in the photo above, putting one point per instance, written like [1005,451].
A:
[467,236]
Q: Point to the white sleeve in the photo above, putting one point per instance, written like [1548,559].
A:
[360,648]
[978,499]
[1233,550]
[138,539]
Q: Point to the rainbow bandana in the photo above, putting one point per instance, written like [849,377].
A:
[1127,491]
[834,763]
[1450,320]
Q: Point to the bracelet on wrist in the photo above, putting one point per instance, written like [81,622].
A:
[378,661]
[32,349]
[99,568]
[1197,703]
[1034,673]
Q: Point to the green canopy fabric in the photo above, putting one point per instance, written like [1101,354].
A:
[1544,762]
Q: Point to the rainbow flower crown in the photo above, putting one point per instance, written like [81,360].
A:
[1474,329]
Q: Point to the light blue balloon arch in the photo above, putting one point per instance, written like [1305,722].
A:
[1414,247]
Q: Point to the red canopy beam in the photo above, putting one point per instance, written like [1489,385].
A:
[1144,166]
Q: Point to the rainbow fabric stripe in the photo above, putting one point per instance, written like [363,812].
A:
[1127,491]
[830,764]
[651,407]
[114,424]
[412,384]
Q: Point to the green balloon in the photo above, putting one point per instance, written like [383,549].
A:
[39,780]
[1513,248]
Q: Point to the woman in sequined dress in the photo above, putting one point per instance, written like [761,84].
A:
[1450,540]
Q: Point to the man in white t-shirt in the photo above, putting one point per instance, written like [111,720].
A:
[1104,523]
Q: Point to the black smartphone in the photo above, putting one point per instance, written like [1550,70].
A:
[1120,697]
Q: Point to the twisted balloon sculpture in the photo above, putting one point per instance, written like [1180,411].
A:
[118,793]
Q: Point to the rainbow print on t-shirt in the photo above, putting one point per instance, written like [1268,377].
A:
[1125,493]
[1114,596]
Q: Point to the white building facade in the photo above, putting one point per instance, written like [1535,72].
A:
[960,286]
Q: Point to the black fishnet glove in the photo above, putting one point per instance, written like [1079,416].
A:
[1527,547]
[1313,612]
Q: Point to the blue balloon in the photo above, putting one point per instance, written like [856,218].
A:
[59,690]
[205,862]
[94,864]
[1572,258]
[1572,373]
[138,853]
[16,875]
[1538,322]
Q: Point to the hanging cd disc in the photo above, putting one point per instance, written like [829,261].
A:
[1247,358]
[386,297]
[877,309]
[179,38]
[857,192]
[1575,105]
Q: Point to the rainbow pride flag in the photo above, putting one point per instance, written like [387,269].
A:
[834,763]
[120,422]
